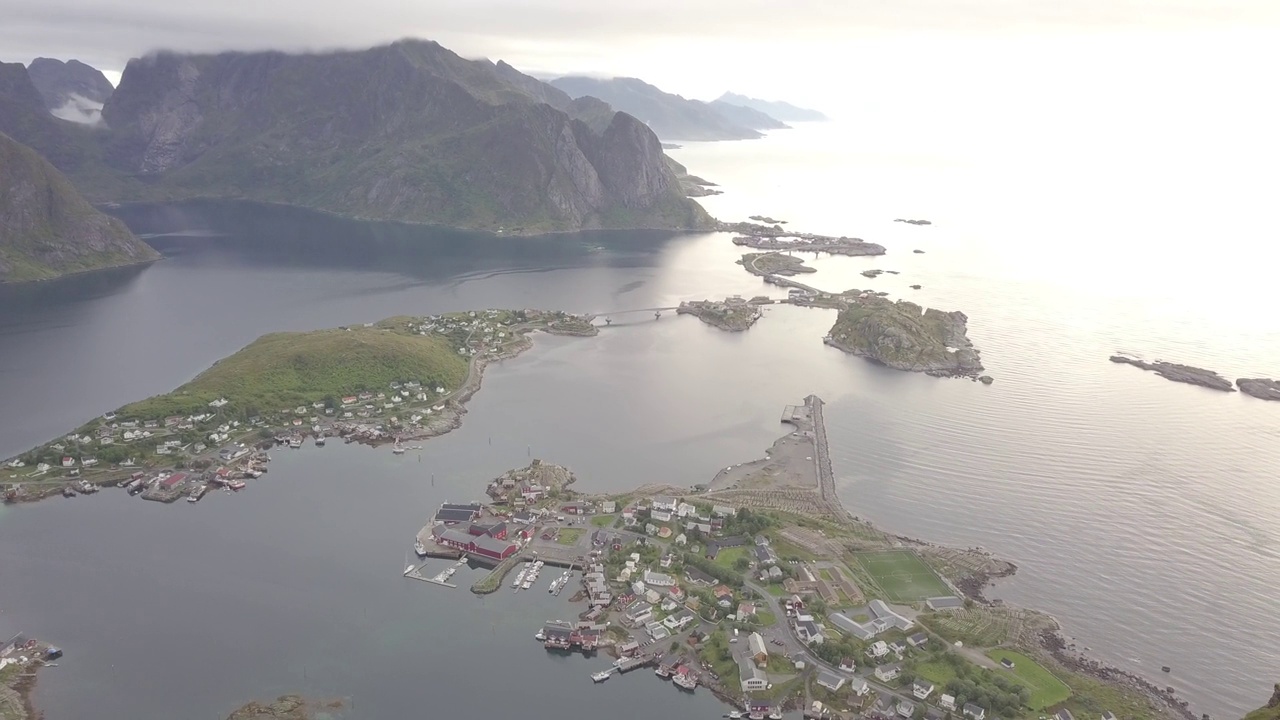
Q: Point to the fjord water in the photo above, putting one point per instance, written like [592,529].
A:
[1141,513]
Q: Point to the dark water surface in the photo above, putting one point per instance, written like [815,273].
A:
[1142,513]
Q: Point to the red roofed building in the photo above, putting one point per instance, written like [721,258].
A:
[173,481]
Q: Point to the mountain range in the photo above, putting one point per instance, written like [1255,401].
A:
[671,116]
[408,131]
[783,111]
[71,90]
[47,229]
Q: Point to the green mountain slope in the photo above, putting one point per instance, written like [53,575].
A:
[47,229]
[409,131]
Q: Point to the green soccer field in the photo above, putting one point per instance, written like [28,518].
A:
[902,575]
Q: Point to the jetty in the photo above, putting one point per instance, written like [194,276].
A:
[415,572]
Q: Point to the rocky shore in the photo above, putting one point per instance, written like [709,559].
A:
[1179,373]
[731,314]
[1261,388]
[1066,654]
[904,336]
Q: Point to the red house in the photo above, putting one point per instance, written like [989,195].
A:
[173,481]
[492,548]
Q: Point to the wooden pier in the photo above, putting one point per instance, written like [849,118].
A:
[415,572]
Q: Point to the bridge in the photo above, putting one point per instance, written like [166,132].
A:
[608,314]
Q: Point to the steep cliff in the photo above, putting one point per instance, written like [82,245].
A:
[47,229]
[409,131]
[904,336]
[671,116]
[71,90]
[24,117]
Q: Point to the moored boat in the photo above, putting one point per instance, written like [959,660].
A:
[236,484]
[419,548]
[601,676]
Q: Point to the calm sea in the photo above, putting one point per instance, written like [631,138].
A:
[1142,513]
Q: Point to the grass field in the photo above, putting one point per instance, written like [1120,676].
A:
[939,673]
[728,556]
[902,575]
[1046,690]
[604,520]
[765,618]
[569,536]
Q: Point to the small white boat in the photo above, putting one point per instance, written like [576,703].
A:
[419,548]
[319,441]
[539,635]
[408,570]
[398,449]
[601,676]
[526,584]
[735,715]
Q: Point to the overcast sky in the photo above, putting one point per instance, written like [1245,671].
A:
[696,47]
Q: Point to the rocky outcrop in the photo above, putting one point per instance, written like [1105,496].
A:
[774,237]
[1179,373]
[904,336]
[1261,388]
[71,90]
[774,264]
[47,229]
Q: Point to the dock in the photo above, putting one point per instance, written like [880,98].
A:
[415,572]
[636,662]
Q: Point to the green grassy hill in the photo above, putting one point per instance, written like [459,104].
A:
[283,370]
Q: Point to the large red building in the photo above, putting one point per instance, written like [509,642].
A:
[476,540]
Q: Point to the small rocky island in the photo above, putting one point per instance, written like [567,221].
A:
[904,336]
[731,314]
[289,707]
[766,237]
[1261,388]
[774,263]
[1179,373]
[767,220]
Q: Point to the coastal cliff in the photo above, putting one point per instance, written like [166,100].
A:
[47,229]
[904,336]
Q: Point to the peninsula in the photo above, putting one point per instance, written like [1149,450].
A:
[774,263]
[760,587]
[402,379]
[1179,373]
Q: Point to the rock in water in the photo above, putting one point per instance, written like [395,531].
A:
[1179,373]
[986,379]
[47,229]
[904,336]
[1261,388]
[286,707]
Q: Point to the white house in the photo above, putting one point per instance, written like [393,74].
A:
[921,689]
[808,631]
[657,579]
[906,709]
[947,702]
[759,651]
[685,510]
[830,680]
[722,510]
[660,515]
[662,502]
[974,711]
[858,686]
[752,677]
[878,649]
[886,673]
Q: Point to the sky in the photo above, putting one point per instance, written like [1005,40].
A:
[795,49]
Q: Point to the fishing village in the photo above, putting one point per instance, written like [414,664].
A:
[760,588]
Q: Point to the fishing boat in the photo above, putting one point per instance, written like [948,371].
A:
[319,441]
[295,442]
[398,449]
[734,715]
[236,484]
[197,493]
[419,548]
[601,676]
[539,636]
[685,678]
